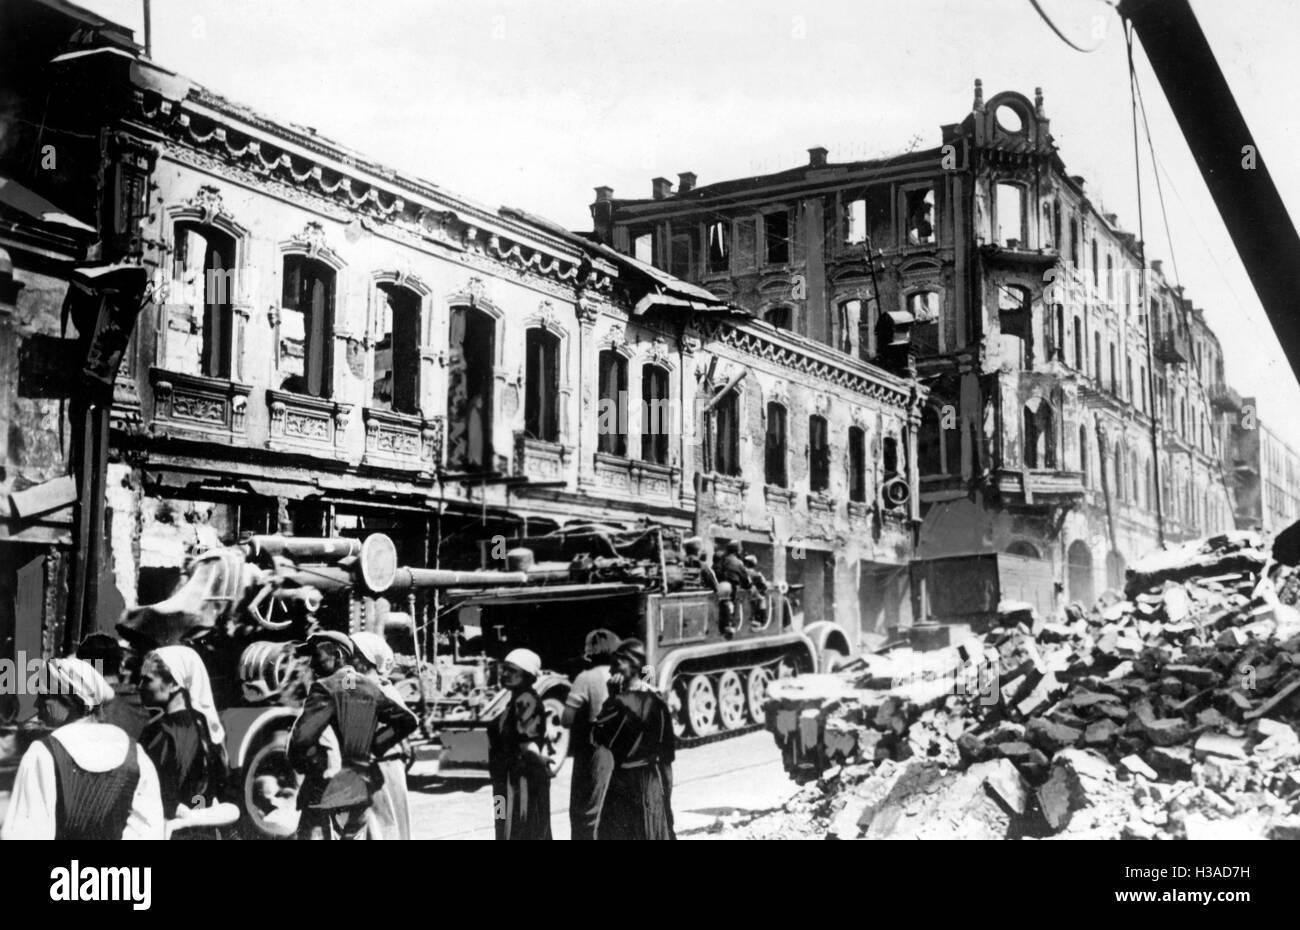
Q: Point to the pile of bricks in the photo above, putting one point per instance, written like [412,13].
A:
[1168,713]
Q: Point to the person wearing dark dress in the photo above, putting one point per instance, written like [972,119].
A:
[365,723]
[520,773]
[87,780]
[592,764]
[185,741]
[635,725]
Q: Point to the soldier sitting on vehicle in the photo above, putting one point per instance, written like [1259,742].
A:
[736,574]
[757,592]
[697,566]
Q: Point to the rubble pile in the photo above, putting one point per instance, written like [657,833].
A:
[1168,713]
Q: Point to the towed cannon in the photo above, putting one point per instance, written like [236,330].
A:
[245,608]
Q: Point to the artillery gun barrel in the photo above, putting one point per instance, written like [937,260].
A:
[409,579]
[305,548]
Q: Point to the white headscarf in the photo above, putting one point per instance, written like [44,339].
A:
[77,677]
[376,651]
[187,670]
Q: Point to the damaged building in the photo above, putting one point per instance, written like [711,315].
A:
[327,346]
[73,172]
[1027,316]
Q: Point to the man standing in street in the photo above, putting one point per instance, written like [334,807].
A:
[365,722]
[592,765]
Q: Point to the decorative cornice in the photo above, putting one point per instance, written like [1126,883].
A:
[339,194]
[762,346]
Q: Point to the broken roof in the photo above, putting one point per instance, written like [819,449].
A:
[663,288]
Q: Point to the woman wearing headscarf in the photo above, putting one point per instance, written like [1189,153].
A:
[87,780]
[592,765]
[521,776]
[389,817]
[186,741]
[636,727]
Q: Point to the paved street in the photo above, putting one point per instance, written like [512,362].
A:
[731,778]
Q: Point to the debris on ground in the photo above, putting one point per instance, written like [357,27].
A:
[1170,712]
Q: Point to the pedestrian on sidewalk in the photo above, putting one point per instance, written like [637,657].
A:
[636,727]
[517,764]
[592,765]
[87,780]
[390,814]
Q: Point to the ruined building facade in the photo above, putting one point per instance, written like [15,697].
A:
[1024,308]
[328,346]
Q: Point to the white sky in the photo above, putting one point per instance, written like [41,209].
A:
[533,103]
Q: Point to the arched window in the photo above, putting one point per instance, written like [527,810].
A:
[774,446]
[307,326]
[1024,549]
[397,351]
[819,454]
[656,414]
[611,421]
[1083,453]
[778,317]
[542,385]
[1040,445]
[924,308]
[848,325]
[1118,488]
[1097,361]
[857,464]
[726,435]
[205,264]
[1079,572]
[1016,322]
[889,456]
[472,350]
[1010,210]
[1078,344]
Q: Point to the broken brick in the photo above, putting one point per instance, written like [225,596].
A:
[1171,761]
[1135,765]
[1193,675]
[1100,733]
[1220,745]
[1050,737]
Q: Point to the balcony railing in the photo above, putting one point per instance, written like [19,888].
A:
[1172,347]
[1225,398]
[635,478]
[539,459]
[302,423]
[402,441]
[198,407]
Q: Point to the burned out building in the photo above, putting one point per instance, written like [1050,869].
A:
[1022,306]
[321,345]
[73,170]
[1264,472]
